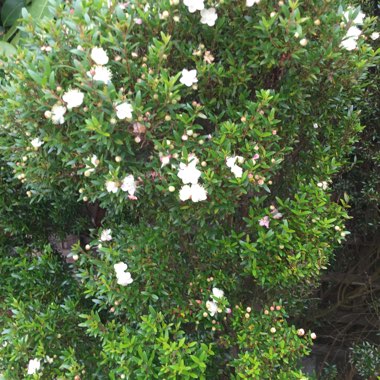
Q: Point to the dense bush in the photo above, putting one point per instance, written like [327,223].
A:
[210,139]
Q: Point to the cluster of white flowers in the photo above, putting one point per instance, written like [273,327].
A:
[123,278]
[189,77]
[34,366]
[99,72]
[235,169]
[189,175]
[208,16]
[73,98]
[212,306]
[128,185]
[353,33]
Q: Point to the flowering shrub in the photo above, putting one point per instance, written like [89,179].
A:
[208,134]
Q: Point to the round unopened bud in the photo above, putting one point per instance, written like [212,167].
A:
[280,3]
[205,314]
[317,22]
[273,330]
[201,142]
[204,163]
[213,328]
[272,14]
[165,14]
[247,315]
[137,139]
[337,228]
[25,158]
[81,190]
[113,121]
[176,18]
[303,42]
[112,310]
[296,35]
[85,199]
[300,332]
[47,114]
[278,307]
[190,132]
[59,88]
[171,189]
[155,96]
[29,193]
[243,119]
[248,309]
[87,247]
[313,336]
[271,308]
[213,321]
[118,159]
[175,155]
[168,118]
[76,377]
[184,137]
[75,257]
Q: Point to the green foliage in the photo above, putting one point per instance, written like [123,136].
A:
[264,127]
[365,357]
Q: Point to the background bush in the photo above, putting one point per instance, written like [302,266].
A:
[274,89]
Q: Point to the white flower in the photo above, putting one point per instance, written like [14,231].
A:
[106,235]
[99,56]
[94,160]
[57,113]
[185,193]
[101,74]
[33,366]
[230,161]
[88,172]
[217,293]
[188,78]
[358,20]
[349,44]
[129,184]
[112,187]
[189,173]
[237,171]
[352,35]
[212,307]
[194,5]
[124,278]
[324,185]
[209,16]
[375,36]
[120,267]
[353,32]
[194,192]
[198,193]
[250,3]
[73,98]
[36,143]
[124,110]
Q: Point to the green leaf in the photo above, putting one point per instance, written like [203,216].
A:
[7,49]
[11,11]
[39,9]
